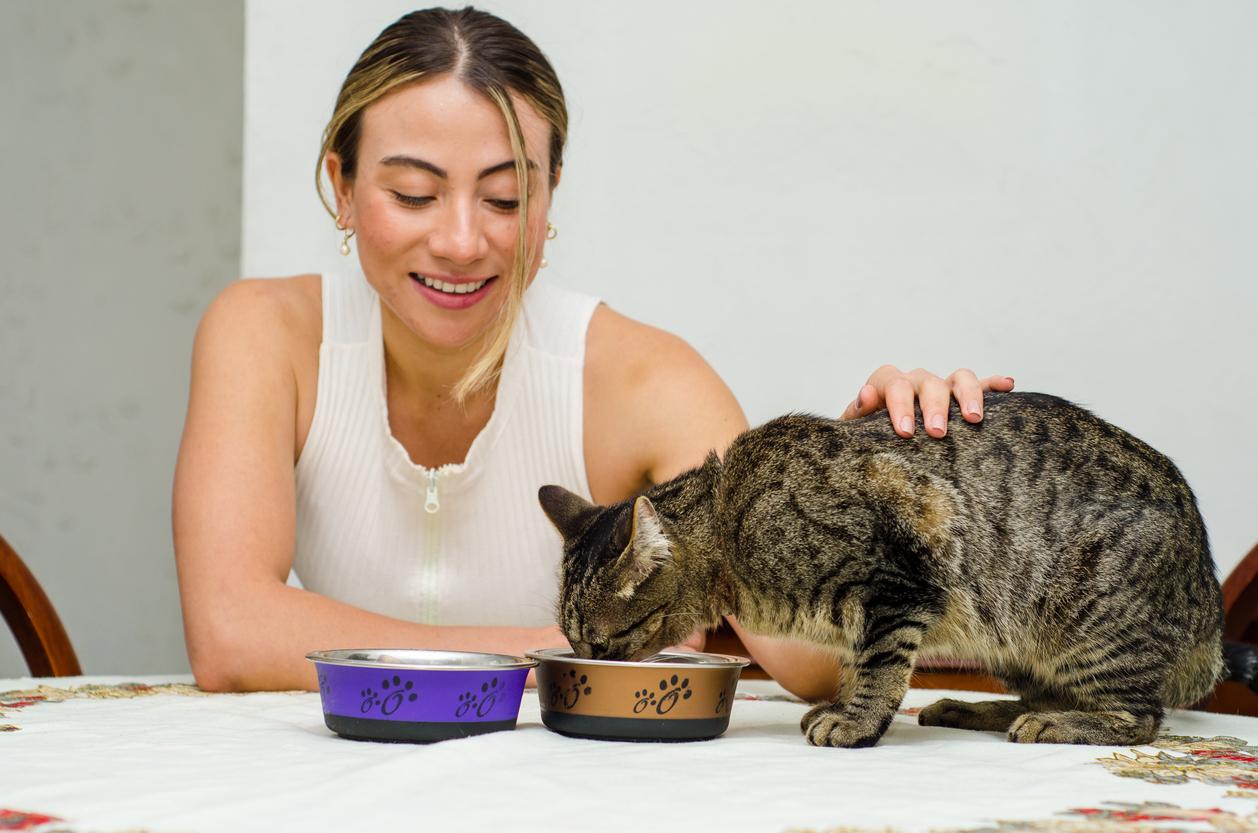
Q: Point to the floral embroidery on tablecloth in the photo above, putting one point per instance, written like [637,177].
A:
[19,820]
[39,823]
[1220,760]
[1111,817]
[21,699]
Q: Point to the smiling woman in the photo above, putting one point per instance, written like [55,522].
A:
[384,432]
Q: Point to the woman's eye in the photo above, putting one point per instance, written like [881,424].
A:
[407,199]
[505,205]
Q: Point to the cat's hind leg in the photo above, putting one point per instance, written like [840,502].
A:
[1106,695]
[984,716]
[1102,728]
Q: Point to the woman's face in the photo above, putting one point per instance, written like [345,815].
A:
[434,206]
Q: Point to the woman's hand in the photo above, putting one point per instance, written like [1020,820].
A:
[895,390]
[695,642]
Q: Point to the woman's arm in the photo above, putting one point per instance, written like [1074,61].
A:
[235,516]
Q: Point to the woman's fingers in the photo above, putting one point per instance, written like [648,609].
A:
[899,395]
[968,392]
[1004,384]
[898,392]
[866,402]
[934,396]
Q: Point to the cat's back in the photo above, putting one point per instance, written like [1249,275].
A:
[1024,439]
[1037,477]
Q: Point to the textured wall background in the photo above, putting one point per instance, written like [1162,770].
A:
[1060,190]
[121,147]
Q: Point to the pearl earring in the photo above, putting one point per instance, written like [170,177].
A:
[349,233]
[551,234]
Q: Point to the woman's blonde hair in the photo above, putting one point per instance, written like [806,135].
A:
[490,56]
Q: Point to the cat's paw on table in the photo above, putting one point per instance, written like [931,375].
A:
[1095,728]
[985,716]
[834,725]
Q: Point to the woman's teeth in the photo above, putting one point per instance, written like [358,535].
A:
[452,288]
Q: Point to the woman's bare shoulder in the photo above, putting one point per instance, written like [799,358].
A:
[625,350]
[274,310]
[649,390]
[255,360]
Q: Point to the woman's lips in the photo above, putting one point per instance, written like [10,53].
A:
[450,292]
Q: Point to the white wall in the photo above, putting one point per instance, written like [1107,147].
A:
[120,131]
[1058,191]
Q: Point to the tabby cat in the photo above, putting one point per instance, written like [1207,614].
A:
[1063,554]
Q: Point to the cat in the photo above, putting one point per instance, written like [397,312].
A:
[1064,555]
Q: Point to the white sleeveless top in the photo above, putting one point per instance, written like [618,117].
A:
[464,544]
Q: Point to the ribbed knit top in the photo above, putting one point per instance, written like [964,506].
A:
[464,544]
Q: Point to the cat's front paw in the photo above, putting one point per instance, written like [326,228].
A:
[833,725]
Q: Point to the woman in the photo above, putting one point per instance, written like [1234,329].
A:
[385,433]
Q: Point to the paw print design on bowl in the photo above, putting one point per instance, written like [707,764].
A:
[723,701]
[325,688]
[481,702]
[574,687]
[388,701]
[672,690]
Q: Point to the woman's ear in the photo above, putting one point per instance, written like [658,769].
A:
[342,186]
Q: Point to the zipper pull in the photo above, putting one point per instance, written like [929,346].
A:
[432,504]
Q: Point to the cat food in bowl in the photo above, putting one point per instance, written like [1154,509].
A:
[418,696]
[673,696]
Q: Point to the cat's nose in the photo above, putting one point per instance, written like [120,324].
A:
[582,650]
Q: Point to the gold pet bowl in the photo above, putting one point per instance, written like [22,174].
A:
[672,696]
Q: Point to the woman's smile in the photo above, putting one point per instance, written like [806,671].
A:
[452,291]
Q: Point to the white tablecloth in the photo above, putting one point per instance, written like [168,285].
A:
[171,762]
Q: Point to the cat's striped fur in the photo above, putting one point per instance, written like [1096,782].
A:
[1060,552]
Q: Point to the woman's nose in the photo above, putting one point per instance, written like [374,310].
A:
[458,236]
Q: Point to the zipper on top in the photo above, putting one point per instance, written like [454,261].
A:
[432,501]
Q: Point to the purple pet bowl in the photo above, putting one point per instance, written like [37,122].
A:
[419,696]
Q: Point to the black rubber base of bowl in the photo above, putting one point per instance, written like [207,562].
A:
[634,729]
[397,731]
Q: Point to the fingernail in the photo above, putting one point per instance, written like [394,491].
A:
[906,424]
[1009,379]
[972,407]
[937,422]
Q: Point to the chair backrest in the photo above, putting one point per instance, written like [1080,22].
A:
[1240,600]
[33,619]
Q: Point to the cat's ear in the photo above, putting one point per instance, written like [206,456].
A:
[648,550]
[569,512]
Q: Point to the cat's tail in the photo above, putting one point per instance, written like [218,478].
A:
[1241,660]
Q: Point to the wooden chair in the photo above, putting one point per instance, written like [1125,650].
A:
[33,619]
[1240,623]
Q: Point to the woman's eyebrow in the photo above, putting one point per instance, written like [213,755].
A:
[423,165]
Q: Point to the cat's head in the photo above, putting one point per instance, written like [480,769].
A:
[619,597]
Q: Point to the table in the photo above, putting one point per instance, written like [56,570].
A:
[162,757]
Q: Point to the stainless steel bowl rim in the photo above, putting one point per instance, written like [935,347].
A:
[693,659]
[417,659]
